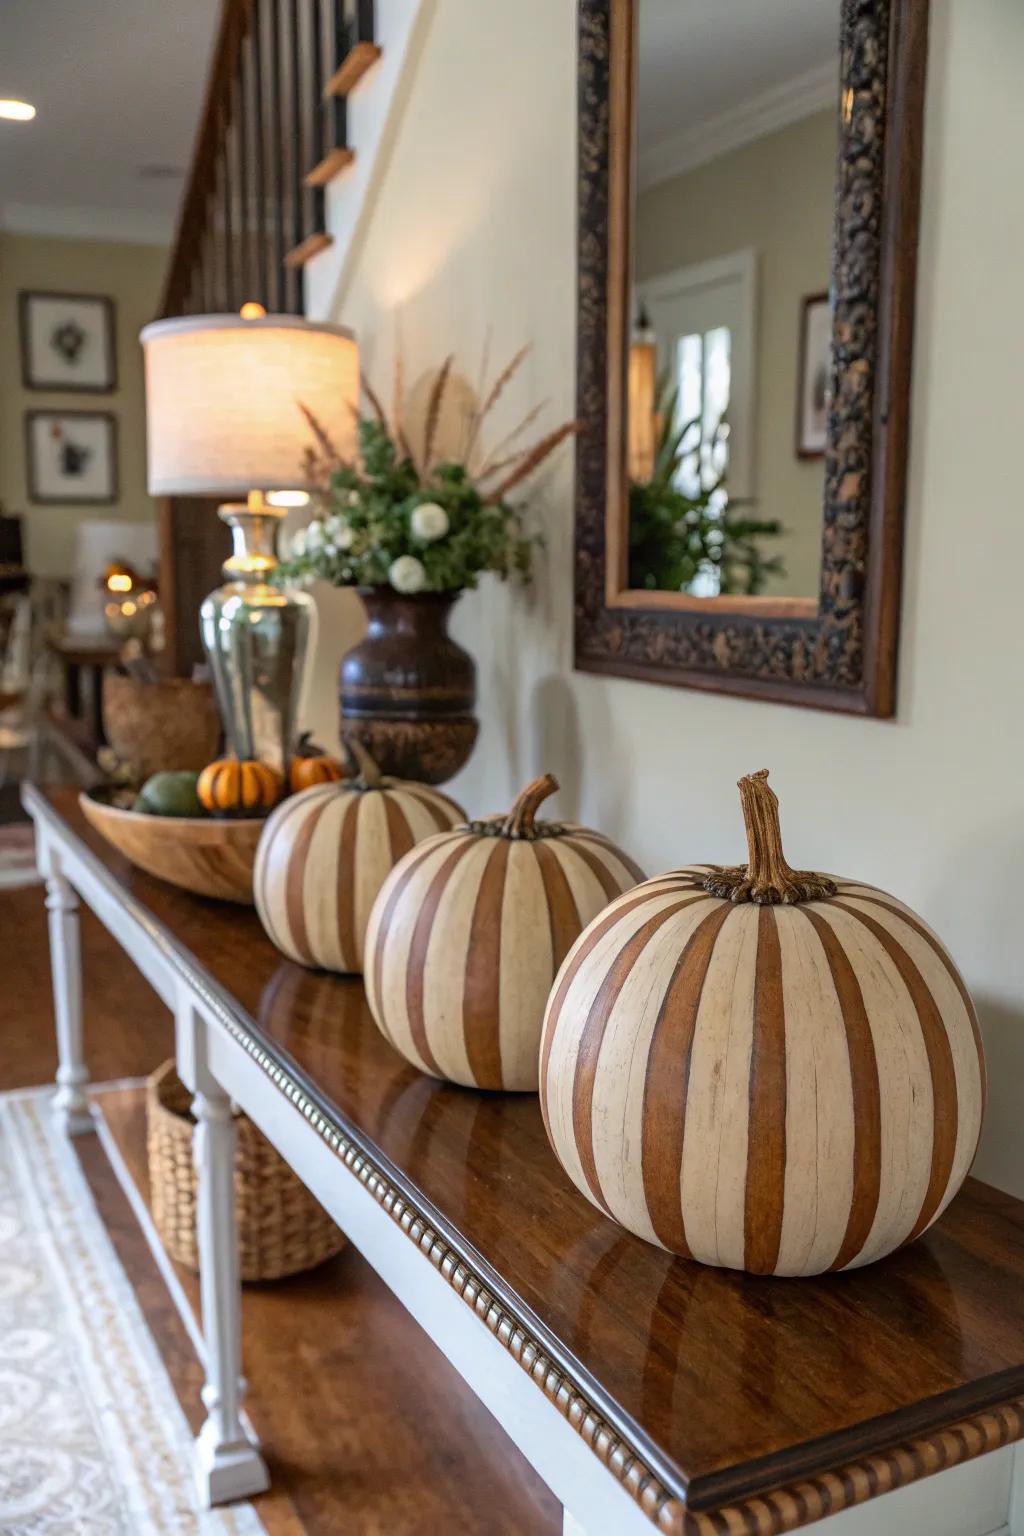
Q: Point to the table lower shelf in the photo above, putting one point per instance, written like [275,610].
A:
[365,1425]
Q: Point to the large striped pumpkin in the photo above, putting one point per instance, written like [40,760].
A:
[761,1068]
[467,934]
[325,853]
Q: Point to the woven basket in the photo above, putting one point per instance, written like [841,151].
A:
[281,1228]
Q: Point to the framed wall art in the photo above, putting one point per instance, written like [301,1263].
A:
[67,341]
[812,390]
[71,456]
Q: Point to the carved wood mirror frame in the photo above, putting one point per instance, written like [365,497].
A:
[837,651]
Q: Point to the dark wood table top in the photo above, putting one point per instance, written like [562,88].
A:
[725,1386]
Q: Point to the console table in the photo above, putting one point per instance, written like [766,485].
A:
[649,1393]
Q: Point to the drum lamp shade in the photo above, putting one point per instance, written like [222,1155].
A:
[223,398]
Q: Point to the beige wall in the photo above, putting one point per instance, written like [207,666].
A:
[132,276]
[474,230]
[774,196]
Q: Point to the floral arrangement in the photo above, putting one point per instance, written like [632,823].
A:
[693,543]
[418,521]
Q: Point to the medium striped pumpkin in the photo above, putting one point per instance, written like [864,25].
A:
[325,853]
[761,1068]
[467,934]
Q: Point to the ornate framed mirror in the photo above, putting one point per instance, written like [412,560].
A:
[749,181]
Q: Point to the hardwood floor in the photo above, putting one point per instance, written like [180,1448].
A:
[366,1427]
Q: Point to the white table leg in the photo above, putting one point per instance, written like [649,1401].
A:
[228,1465]
[71,1103]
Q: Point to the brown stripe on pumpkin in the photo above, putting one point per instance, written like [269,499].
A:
[429,802]
[588,836]
[912,922]
[417,958]
[348,834]
[595,934]
[765,1193]
[383,926]
[400,838]
[294,902]
[597,867]
[588,1052]
[866,1091]
[563,914]
[666,1080]
[940,1066]
[481,984]
[275,826]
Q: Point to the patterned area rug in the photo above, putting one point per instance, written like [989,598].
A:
[93,1441]
[17,857]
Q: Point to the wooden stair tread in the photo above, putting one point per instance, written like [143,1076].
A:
[332,164]
[344,1389]
[351,70]
[310,247]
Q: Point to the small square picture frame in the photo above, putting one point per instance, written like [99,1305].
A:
[71,457]
[68,342]
[813,372]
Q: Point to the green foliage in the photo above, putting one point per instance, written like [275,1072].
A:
[367,521]
[674,537]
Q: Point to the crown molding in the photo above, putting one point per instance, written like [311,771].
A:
[800,97]
[133,226]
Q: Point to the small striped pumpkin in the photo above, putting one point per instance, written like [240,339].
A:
[239,787]
[325,853]
[467,934]
[762,1068]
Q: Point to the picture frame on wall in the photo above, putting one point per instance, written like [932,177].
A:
[67,341]
[812,392]
[71,457]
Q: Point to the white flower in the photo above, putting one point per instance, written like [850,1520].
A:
[407,574]
[314,537]
[339,531]
[352,499]
[297,544]
[429,522]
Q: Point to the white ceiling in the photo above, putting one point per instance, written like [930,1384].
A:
[117,86]
[705,59]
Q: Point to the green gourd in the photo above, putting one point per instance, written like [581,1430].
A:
[170,794]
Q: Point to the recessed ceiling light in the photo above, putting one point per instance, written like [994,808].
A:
[17,111]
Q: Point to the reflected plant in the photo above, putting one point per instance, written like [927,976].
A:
[694,543]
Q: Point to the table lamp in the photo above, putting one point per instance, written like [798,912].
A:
[223,419]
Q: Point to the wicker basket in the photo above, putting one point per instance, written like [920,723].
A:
[281,1228]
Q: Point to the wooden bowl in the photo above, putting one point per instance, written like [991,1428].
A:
[199,854]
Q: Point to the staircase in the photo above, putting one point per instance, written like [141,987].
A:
[273,140]
[273,136]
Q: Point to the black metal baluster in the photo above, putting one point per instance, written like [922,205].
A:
[298,231]
[364,21]
[317,145]
[262,285]
[226,191]
[245,261]
[277,159]
[342,44]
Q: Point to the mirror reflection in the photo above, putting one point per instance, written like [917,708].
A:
[736,136]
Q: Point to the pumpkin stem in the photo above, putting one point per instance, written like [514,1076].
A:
[368,774]
[766,878]
[520,820]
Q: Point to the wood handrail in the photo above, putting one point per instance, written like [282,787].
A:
[234,23]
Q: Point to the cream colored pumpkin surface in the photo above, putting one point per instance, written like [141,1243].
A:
[468,932]
[325,854]
[763,1069]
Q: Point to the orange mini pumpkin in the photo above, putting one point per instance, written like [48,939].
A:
[233,787]
[317,768]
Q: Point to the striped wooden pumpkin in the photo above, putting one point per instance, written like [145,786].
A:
[467,934]
[761,1068]
[325,853]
